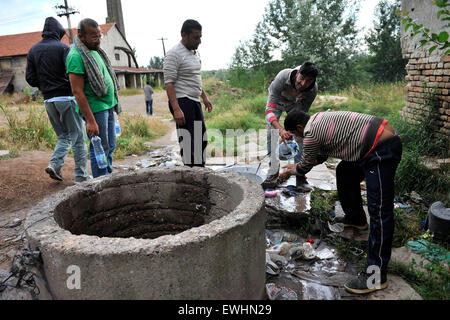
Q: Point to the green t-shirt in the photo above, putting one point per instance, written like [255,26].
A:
[74,64]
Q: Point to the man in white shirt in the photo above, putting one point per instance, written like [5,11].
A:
[182,76]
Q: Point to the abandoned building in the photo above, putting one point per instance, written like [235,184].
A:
[14,49]
[426,71]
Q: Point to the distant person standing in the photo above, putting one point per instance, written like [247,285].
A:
[95,87]
[148,91]
[46,69]
[183,79]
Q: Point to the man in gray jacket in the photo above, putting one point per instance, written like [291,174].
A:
[292,90]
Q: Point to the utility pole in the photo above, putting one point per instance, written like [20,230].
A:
[67,12]
[164,48]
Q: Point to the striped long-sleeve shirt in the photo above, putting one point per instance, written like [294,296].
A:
[283,95]
[342,134]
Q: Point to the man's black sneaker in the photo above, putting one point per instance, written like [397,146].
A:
[271,181]
[54,173]
[364,284]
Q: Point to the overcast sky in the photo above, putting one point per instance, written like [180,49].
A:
[225,23]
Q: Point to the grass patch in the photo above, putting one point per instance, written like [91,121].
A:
[136,130]
[377,98]
[31,130]
[130,92]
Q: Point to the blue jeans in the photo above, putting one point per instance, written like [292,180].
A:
[106,126]
[149,107]
[378,169]
[69,128]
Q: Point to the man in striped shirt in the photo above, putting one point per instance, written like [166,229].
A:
[292,90]
[370,149]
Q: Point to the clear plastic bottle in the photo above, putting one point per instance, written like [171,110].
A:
[100,156]
[117,125]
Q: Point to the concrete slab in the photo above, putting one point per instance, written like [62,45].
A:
[398,289]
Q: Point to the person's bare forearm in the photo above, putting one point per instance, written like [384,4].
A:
[170,89]
[77,84]
[177,112]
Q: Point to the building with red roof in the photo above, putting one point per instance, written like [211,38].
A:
[14,49]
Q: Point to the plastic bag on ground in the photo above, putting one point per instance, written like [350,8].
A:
[276,292]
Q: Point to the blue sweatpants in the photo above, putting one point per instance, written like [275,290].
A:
[378,169]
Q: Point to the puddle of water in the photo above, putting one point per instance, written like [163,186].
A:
[297,204]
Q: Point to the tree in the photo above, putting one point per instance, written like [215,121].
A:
[156,63]
[323,32]
[386,63]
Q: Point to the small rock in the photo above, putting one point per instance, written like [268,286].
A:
[15,223]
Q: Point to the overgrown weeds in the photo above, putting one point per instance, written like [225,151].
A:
[31,130]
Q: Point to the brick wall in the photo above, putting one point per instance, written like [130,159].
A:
[426,72]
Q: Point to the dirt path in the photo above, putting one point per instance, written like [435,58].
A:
[24,183]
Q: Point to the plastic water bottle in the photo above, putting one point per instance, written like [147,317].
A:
[100,156]
[118,129]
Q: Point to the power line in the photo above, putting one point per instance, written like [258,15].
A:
[67,12]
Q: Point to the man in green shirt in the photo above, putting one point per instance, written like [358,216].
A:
[94,85]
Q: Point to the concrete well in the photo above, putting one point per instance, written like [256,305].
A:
[165,233]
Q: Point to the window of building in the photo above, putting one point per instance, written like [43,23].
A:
[16,62]
[117,56]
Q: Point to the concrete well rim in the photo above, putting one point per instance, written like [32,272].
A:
[44,232]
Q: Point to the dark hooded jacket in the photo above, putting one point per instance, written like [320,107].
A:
[46,62]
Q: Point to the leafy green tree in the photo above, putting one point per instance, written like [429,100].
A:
[323,32]
[385,62]
[156,63]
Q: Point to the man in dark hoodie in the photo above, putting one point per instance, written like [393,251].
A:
[46,70]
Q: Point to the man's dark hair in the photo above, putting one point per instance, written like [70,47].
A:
[309,70]
[295,118]
[86,23]
[190,25]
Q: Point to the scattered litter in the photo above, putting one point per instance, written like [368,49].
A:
[356,251]
[308,251]
[281,249]
[271,194]
[325,254]
[290,237]
[398,205]
[292,191]
[315,291]
[337,227]
[280,261]
[274,237]
[170,163]
[15,223]
[415,197]
[276,292]
[271,267]
[147,164]
[429,250]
